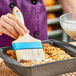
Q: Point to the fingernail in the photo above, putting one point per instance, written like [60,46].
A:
[22,34]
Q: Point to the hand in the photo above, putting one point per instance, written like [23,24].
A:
[68,5]
[12,26]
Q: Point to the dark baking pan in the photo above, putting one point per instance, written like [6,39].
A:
[48,69]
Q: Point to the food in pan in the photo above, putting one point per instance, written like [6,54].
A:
[31,63]
[11,54]
[55,53]
[51,54]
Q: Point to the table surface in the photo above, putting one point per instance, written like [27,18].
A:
[5,71]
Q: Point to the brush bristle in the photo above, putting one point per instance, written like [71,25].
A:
[30,54]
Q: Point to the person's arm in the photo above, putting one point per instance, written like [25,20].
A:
[68,5]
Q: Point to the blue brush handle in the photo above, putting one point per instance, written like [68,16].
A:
[27,45]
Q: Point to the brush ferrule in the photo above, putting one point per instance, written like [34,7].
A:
[27,45]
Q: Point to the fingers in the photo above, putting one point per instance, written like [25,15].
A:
[13,24]
[4,30]
[15,19]
[10,29]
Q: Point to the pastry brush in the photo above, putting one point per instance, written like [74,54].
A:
[27,47]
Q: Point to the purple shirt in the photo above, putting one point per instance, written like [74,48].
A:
[34,16]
